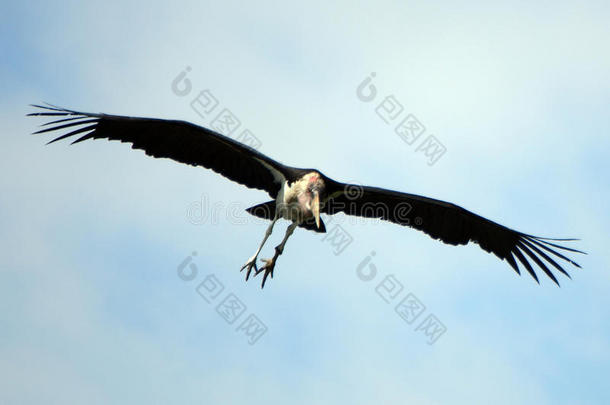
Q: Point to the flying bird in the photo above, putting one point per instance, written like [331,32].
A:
[301,195]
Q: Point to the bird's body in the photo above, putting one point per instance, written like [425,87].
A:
[291,200]
[301,195]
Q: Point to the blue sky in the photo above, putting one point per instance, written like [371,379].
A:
[92,306]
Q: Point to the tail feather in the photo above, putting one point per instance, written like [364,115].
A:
[264,210]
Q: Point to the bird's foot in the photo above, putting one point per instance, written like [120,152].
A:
[251,263]
[267,268]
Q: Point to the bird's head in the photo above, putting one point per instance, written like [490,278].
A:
[315,187]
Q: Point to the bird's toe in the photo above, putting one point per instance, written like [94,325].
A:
[249,265]
[267,268]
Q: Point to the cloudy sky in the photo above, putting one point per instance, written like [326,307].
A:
[93,235]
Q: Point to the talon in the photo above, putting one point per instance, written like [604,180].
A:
[249,265]
[267,268]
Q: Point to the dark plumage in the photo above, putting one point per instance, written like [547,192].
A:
[301,194]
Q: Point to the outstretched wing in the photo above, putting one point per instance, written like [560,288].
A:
[449,223]
[178,140]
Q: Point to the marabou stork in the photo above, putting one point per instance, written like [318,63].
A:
[300,195]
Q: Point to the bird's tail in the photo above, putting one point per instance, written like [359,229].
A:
[267,211]
[264,210]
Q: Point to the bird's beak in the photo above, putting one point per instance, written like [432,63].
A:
[315,208]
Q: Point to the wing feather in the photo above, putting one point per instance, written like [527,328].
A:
[448,223]
[178,140]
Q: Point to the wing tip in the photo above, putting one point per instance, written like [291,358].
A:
[535,247]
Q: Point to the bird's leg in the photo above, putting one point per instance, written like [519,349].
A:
[252,261]
[270,263]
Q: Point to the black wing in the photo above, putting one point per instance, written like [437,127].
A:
[449,223]
[178,140]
